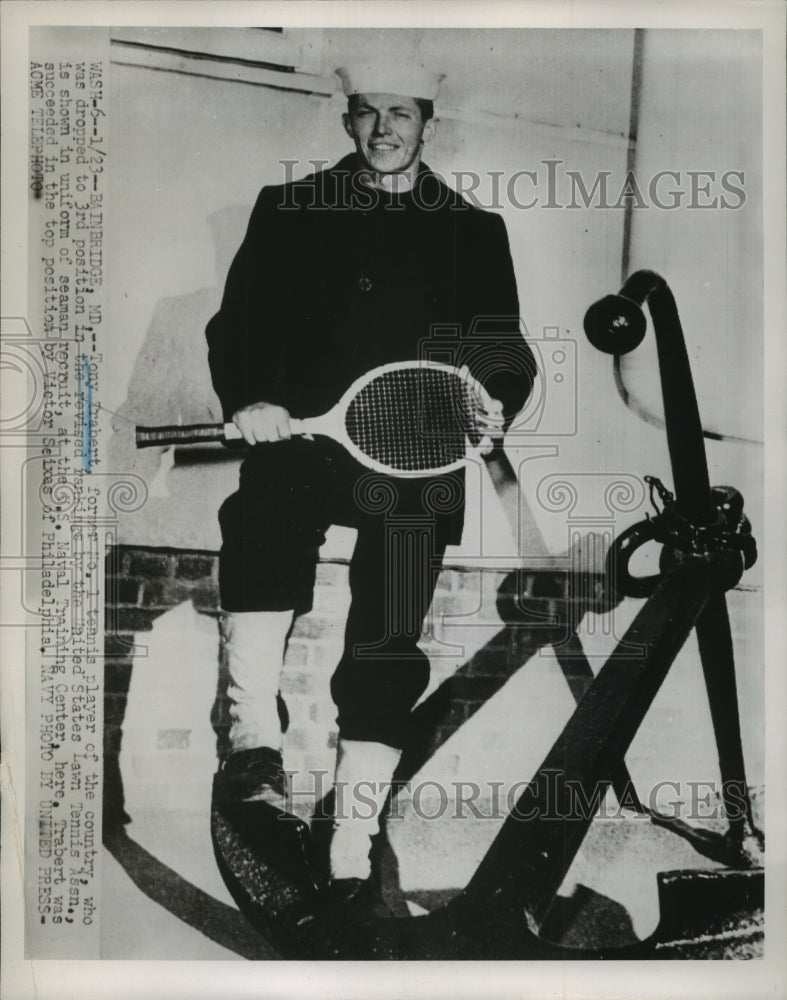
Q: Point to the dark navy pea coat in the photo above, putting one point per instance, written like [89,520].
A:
[335,278]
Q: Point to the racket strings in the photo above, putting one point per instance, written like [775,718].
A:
[413,419]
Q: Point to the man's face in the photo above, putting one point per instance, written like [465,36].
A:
[387,131]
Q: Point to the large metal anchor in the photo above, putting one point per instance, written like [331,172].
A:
[707,545]
[697,525]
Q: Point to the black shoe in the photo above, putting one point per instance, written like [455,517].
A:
[341,906]
[251,806]
[358,896]
[252,776]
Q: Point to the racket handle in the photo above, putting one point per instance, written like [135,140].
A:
[327,424]
[149,437]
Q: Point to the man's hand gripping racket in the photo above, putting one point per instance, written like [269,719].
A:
[409,418]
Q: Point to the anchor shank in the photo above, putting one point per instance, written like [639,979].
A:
[681,412]
[534,848]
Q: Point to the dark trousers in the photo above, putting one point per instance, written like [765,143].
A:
[272,528]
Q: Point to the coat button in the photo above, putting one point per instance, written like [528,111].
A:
[364,283]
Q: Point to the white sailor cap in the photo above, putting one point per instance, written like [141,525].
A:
[378,78]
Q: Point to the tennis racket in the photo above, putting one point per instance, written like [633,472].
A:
[410,418]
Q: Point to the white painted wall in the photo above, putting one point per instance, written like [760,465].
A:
[189,155]
[701,97]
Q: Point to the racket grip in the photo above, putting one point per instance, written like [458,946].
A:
[149,437]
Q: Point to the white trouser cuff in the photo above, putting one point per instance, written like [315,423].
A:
[252,646]
[363,780]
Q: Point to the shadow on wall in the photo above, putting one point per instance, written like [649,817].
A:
[170,384]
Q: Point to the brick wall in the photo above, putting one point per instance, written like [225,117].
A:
[472,653]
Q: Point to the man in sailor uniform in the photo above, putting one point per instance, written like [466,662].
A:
[353,267]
